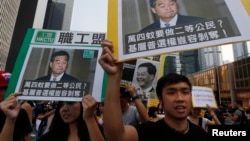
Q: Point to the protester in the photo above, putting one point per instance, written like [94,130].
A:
[173,91]
[247,114]
[238,113]
[152,113]
[74,121]
[132,115]
[15,124]
[203,122]
[10,107]
[99,113]
[43,113]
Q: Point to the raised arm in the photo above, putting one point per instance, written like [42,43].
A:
[89,105]
[114,129]
[214,117]
[11,108]
[142,110]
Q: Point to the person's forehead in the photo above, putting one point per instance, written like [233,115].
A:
[61,56]
[165,0]
[64,58]
[179,85]
[142,69]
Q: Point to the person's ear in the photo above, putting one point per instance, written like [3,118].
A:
[153,10]
[50,64]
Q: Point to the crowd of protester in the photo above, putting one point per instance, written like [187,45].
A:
[122,117]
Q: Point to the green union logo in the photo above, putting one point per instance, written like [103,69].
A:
[88,54]
[45,37]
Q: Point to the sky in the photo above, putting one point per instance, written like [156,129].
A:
[91,16]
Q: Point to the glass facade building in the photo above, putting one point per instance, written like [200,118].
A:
[241,70]
[8,15]
[229,82]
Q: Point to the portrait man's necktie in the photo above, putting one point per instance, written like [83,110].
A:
[54,79]
[167,25]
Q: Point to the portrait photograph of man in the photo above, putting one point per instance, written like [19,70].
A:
[61,65]
[153,27]
[145,78]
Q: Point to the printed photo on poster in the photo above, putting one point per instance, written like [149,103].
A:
[185,25]
[145,79]
[53,67]
[59,62]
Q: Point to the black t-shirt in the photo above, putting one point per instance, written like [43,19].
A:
[160,131]
[22,125]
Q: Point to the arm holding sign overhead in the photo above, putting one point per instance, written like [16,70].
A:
[214,117]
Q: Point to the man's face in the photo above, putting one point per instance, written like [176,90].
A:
[144,79]
[59,65]
[177,100]
[165,9]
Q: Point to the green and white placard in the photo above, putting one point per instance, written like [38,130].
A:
[33,61]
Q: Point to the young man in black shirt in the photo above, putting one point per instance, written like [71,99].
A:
[174,93]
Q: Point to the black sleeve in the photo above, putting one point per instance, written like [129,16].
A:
[22,126]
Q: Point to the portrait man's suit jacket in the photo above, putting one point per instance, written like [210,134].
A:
[180,21]
[65,77]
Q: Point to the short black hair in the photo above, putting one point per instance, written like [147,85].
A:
[150,67]
[59,53]
[169,79]
[152,3]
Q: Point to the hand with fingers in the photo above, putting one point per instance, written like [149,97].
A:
[11,106]
[211,110]
[107,60]
[89,106]
[131,89]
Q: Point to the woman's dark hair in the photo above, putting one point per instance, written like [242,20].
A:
[159,111]
[61,129]
[98,112]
